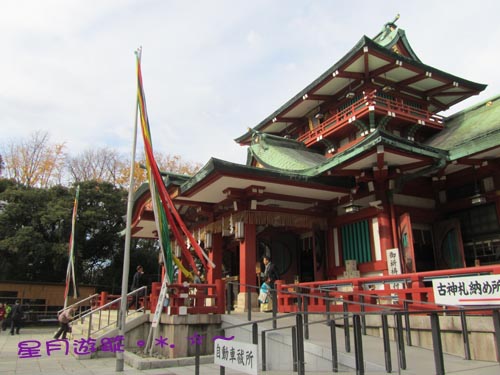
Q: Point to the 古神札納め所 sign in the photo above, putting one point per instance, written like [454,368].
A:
[236,355]
[467,290]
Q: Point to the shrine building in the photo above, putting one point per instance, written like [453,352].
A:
[358,166]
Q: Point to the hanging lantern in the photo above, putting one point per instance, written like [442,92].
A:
[208,240]
[351,208]
[239,230]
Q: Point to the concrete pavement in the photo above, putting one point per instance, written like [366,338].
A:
[58,363]
[420,361]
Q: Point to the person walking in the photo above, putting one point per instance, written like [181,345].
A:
[64,319]
[16,318]
[137,282]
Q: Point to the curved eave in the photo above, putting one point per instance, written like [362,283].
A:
[245,138]
[269,165]
[280,153]
[142,195]
[365,42]
[370,143]
[228,174]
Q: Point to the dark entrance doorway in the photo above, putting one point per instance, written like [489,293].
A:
[305,259]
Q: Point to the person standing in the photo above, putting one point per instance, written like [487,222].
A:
[17,316]
[64,319]
[2,313]
[270,272]
[137,282]
[6,317]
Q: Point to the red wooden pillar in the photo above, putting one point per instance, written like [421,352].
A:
[180,277]
[497,203]
[385,233]
[215,256]
[220,291]
[103,299]
[155,294]
[248,257]
[330,253]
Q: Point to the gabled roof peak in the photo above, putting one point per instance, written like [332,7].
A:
[394,39]
[387,33]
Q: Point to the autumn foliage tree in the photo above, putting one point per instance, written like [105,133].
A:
[100,164]
[37,190]
[35,161]
[166,163]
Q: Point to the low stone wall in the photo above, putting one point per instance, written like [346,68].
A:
[180,331]
[481,334]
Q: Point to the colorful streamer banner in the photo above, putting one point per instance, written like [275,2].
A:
[166,215]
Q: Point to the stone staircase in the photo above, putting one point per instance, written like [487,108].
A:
[104,324]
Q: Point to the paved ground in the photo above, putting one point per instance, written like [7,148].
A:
[58,363]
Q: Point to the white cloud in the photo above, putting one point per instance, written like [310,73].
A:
[211,68]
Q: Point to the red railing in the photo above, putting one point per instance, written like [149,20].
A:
[105,298]
[191,298]
[392,291]
[411,287]
[371,102]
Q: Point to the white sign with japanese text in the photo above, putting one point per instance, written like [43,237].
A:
[236,355]
[467,290]
[394,266]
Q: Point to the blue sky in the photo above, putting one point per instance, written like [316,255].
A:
[211,68]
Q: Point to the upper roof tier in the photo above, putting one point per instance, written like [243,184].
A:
[473,131]
[386,61]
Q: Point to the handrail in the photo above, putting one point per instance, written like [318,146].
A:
[301,331]
[425,276]
[103,307]
[414,287]
[81,302]
[438,306]
[106,306]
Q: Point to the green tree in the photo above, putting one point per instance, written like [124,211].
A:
[35,227]
[142,251]
[100,220]
[32,232]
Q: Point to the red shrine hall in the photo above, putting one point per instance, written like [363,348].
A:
[358,175]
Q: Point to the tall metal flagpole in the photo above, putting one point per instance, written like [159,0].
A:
[70,272]
[128,235]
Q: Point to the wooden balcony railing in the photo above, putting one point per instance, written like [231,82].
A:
[371,102]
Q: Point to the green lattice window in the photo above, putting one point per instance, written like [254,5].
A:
[356,242]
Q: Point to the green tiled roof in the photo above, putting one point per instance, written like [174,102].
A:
[215,166]
[283,154]
[289,156]
[471,130]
